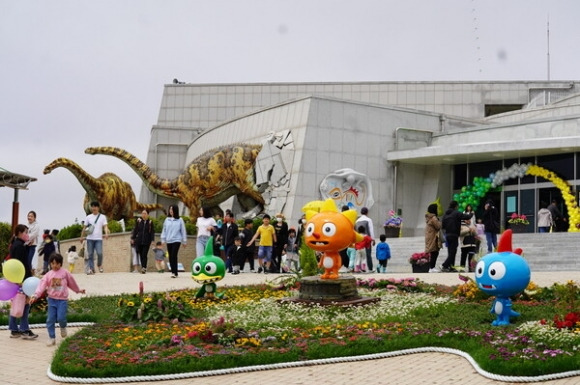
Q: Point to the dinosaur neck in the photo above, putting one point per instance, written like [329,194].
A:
[87,181]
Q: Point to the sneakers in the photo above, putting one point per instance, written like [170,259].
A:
[15,334]
[259,269]
[28,335]
[434,270]
[51,342]
[173,276]
[101,270]
[63,332]
[449,269]
[143,270]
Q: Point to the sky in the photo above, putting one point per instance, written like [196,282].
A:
[78,73]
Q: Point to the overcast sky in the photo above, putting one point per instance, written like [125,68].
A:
[78,73]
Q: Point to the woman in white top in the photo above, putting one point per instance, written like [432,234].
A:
[469,210]
[33,234]
[206,226]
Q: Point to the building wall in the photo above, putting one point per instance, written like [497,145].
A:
[117,254]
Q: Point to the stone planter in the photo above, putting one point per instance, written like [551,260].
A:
[424,268]
[392,232]
[518,229]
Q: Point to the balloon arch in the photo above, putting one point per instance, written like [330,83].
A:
[472,194]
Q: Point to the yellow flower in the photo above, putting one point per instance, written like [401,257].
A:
[130,303]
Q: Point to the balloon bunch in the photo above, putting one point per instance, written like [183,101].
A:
[14,273]
[472,194]
[514,171]
[564,187]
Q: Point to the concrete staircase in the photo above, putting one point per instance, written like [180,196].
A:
[544,252]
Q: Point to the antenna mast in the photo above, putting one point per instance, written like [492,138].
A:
[548,32]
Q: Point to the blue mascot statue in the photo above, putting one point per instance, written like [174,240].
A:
[503,274]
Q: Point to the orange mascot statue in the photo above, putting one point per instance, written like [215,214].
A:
[327,230]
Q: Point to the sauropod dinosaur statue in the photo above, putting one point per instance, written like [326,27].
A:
[115,196]
[208,180]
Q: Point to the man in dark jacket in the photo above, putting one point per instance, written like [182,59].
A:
[490,221]
[451,224]
[227,233]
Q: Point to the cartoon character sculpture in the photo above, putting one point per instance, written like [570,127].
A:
[329,231]
[503,274]
[207,270]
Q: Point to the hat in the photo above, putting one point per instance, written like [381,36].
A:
[248,220]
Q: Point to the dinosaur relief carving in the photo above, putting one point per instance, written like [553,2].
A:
[115,196]
[208,180]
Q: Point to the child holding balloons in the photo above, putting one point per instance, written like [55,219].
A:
[56,283]
[16,272]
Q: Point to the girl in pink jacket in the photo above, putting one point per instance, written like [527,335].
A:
[56,282]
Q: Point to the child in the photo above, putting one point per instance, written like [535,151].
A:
[236,255]
[360,265]
[46,251]
[351,253]
[56,283]
[267,235]
[72,257]
[468,248]
[292,251]
[383,254]
[159,257]
[135,259]
[480,230]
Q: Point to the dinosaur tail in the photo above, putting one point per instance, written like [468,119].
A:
[160,186]
[149,207]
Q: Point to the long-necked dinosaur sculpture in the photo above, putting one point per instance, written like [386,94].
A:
[208,180]
[115,196]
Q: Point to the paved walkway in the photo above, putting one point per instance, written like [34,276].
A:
[25,362]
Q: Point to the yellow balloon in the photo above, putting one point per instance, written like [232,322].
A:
[13,271]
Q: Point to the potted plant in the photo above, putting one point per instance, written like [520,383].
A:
[393,225]
[420,262]
[518,222]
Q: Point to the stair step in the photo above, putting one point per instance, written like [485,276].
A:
[544,252]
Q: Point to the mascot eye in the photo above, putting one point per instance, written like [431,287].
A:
[210,268]
[196,268]
[329,229]
[479,269]
[309,229]
[497,270]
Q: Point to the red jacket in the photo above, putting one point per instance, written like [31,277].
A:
[365,243]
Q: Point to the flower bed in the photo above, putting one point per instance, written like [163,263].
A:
[250,327]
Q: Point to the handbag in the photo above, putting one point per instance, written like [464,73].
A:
[90,228]
[18,303]
[82,252]
[441,238]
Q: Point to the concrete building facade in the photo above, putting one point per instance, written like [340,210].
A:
[412,142]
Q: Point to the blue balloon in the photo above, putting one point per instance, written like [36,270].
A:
[29,285]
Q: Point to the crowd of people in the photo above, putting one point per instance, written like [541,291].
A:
[278,248]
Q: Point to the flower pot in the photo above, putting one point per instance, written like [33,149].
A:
[518,229]
[424,268]
[392,232]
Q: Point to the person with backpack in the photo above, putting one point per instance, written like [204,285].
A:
[367,223]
